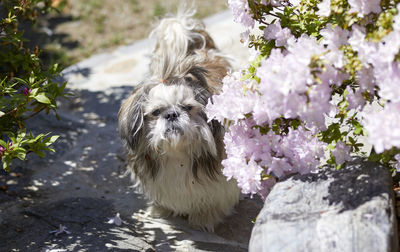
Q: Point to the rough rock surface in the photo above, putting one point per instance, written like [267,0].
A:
[83,184]
[347,210]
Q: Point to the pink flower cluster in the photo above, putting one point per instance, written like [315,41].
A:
[287,89]
[292,86]
[252,154]
[382,70]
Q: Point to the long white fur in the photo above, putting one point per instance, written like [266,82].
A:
[205,201]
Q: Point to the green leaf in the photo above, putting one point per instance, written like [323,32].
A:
[42,98]
[52,139]
[2,143]
[34,92]
[374,157]
[50,149]
[6,165]
[39,137]
[332,134]
[40,154]
[20,155]
[358,130]
[21,80]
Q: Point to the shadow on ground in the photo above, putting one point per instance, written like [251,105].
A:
[84,217]
[53,44]
[83,184]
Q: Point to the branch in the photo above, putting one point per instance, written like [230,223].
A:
[33,114]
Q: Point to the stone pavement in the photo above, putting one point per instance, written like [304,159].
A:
[83,184]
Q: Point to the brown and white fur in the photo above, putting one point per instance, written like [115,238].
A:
[174,151]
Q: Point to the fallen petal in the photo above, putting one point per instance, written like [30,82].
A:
[115,220]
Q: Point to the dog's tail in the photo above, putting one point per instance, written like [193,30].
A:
[177,37]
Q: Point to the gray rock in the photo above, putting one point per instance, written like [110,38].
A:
[347,210]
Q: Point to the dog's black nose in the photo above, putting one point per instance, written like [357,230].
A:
[171,115]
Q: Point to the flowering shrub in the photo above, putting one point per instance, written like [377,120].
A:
[326,73]
[26,86]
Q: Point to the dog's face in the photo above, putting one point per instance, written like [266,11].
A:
[174,118]
[168,118]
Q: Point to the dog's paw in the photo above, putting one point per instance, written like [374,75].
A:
[205,220]
[159,212]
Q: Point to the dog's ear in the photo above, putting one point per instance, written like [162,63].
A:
[209,164]
[131,118]
[210,161]
[218,131]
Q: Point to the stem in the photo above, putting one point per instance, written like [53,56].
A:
[33,114]
[11,111]
[263,22]
[272,14]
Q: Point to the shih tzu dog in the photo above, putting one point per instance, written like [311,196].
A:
[174,151]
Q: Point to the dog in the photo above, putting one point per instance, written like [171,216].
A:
[174,152]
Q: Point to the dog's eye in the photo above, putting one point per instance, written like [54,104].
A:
[187,107]
[188,79]
[156,112]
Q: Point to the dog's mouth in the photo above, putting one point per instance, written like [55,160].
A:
[173,130]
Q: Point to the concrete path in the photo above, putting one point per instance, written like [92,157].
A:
[128,64]
[83,184]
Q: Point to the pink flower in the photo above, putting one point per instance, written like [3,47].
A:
[275,31]
[267,186]
[383,127]
[241,14]
[280,167]
[26,91]
[387,77]
[302,149]
[334,37]
[247,174]
[233,102]
[324,8]
[341,153]
[318,106]
[397,165]
[364,7]
[364,48]
[355,99]
[2,150]
[366,80]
